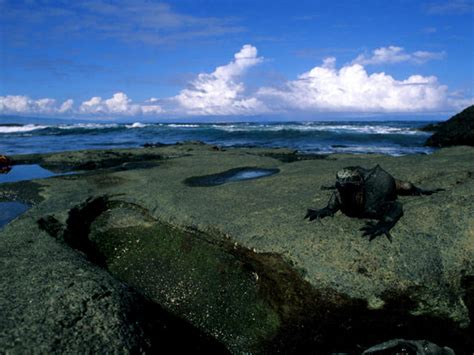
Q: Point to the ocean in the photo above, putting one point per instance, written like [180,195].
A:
[320,137]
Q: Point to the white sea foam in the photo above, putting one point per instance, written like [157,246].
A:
[20,129]
[89,126]
[367,129]
[245,127]
[393,151]
[176,125]
[136,125]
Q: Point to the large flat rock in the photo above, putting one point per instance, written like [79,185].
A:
[236,260]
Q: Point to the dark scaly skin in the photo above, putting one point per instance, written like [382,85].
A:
[5,164]
[368,193]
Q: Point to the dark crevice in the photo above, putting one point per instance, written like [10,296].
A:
[78,226]
[165,333]
[158,329]
[467,284]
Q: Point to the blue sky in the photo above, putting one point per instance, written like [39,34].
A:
[235,58]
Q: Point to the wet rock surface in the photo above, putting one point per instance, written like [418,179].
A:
[88,160]
[233,265]
[402,346]
[458,130]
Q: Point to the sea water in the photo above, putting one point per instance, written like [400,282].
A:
[25,172]
[320,137]
[11,210]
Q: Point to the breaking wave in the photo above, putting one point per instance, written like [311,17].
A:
[384,137]
[368,129]
[8,129]
[136,125]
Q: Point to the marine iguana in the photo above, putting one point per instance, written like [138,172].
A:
[368,193]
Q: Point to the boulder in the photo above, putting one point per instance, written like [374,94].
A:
[458,130]
[402,346]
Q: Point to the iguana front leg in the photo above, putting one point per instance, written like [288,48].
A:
[405,188]
[332,207]
[392,212]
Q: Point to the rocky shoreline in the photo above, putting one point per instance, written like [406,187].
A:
[128,256]
[458,130]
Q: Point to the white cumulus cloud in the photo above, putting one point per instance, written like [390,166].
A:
[66,106]
[394,54]
[20,104]
[351,88]
[221,92]
[118,104]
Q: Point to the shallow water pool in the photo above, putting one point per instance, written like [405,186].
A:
[232,175]
[25,172]
[11,210]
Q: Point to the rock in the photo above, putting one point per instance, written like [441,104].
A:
[88,160]
[236,261]
[432,127]
[402,346]
[154,145]
[458,130]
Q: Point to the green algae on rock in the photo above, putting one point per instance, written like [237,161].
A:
[205,283]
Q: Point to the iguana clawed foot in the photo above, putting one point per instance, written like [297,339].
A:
[374,229]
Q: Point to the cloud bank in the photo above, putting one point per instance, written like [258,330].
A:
[18,104]
[351,88]
[118,104]
[324,88]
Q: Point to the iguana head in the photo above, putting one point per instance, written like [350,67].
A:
[349,177]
